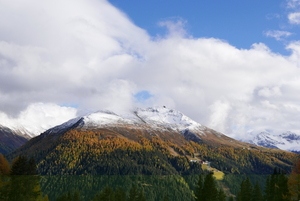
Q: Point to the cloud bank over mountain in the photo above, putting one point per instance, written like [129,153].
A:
[87,55]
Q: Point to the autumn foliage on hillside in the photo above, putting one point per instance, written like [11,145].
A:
[114,151]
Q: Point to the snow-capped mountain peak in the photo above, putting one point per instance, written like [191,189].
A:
[158,117]
[286,141]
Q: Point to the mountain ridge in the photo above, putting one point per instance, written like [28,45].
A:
[287,141]
[158,118]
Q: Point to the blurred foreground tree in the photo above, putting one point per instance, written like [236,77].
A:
[294,182]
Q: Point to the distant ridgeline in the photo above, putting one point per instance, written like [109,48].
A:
[10,140]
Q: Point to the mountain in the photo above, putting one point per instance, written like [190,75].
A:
[11,139]
[145,141]
[152,120]
[286,141]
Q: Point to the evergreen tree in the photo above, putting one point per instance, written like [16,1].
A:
[19,166]
[63,197]
[230,198]
[276,188]
[245,193]
[133,194]
[76,196]
[45,198]
[106,194]
[257,194]
[24,184]
[221,195]
[22,166]
[166,198]
[210,191]
[141,196]
[31,167]
[120,195]
[283,193]
[199,188]
[269,189]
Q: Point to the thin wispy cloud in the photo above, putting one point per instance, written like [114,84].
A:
[293,4]
[278,35]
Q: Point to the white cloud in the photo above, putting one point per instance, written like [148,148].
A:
[267,104]
[278,35]
[268,92]
[90,54]
[293,3]
[219,115]
[294,18]
[38,117]
[175,27]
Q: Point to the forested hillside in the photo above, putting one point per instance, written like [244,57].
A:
[106,152]
[90,161]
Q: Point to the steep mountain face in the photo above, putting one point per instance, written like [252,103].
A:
[145,141]
[286,141]
[11,139]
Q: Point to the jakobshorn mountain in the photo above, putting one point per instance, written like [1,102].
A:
[145,141]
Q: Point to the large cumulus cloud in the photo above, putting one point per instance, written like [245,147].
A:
[88,54]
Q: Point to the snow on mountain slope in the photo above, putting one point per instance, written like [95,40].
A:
[286,141]
[19,130]
[65,126]
[158,117]
[167,117]
[107,118]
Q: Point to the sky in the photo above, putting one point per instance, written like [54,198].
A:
[230,65]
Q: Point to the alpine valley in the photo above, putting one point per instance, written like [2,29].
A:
[162,142]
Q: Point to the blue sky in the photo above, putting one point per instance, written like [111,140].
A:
[240,23]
